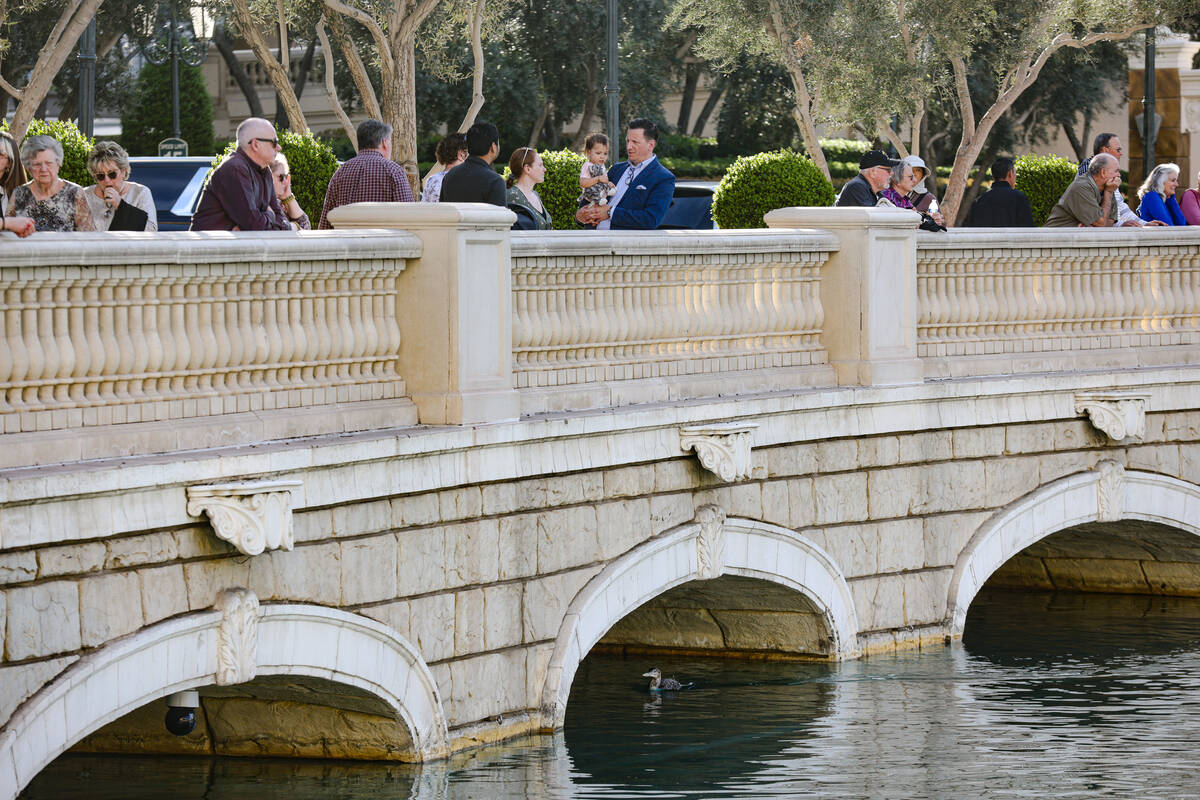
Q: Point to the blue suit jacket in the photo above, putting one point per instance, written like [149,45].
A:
[645,203]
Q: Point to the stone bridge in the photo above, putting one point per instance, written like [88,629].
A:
[375,493]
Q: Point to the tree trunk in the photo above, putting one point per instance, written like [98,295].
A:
[1078,146]
[306,64]
[275,71]
[331,88]
[220,38]
[477,72]
[357,70]
[802,107]
[714,97]
[690,80]
[590,104]
[400,111]
[536,131]
[50,60]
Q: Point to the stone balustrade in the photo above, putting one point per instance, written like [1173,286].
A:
[101,329]
[648,307]
[1007,301]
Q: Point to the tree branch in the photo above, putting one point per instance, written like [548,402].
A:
[963,92]
[330,88]
[357,70]
[477,71]
[372,26]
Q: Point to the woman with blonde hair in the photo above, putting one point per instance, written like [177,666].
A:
[1158,196]
[12,175]
[117,203]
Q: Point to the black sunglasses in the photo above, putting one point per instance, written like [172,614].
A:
[272,142]
[111,175]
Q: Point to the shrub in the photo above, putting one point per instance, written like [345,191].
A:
[311,163]
[1043,179]
[147,120]
[846,150]
[757,184]
[690,148]
[560,190]
[709,168]
[76,147]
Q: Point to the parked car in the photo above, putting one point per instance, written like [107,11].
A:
[175,184]
[691,207]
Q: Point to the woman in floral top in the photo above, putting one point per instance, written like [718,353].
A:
[54,204]
[896,194]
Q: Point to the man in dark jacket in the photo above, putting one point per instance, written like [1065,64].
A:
[874,172]
[474,180]
[1003,205]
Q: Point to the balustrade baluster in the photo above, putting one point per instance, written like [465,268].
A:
[152,292]
[139,355]
[66,350]
[274,335]
[33,346]
[14,314]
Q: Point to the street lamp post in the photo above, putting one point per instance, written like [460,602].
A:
[1149,126]
[612,97]
[176,39]
[87,80]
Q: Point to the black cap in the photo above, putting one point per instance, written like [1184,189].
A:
[876,158]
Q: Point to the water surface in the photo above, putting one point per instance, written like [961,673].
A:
[1048,696]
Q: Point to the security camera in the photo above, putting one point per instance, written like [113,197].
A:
[181,712]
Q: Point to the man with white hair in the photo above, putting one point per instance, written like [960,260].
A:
[1088,201]
[240,195]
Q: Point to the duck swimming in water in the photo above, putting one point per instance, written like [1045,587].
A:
[660,684]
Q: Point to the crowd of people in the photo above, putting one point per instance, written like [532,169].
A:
[1092,200]
[252,189]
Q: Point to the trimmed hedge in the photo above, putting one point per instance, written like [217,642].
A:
[76,147]
[311,162]
[757,184]
[560,190]
[1043,179]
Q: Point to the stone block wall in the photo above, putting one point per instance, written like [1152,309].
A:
[479,577]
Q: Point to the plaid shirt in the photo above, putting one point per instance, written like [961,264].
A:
[369,177]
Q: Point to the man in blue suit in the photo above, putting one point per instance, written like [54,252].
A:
[644,186]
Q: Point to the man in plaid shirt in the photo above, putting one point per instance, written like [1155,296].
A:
[369,177]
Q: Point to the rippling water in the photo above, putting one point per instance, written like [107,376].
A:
[1048,696]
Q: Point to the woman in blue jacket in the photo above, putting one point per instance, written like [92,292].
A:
[1158,196]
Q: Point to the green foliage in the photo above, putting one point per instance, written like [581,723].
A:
[311,163]
[560,190]
[691,148]
[699,168]
[756,112]
[1043,179]
[76,147]
[757,184]
[846,150]
[340,144]
[147,120]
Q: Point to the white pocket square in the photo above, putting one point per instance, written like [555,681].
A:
[642,187]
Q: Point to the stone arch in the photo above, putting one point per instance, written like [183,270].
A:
[708,547]
[193,650]
[1108,493]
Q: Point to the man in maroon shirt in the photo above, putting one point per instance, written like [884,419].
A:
[369,177]
[240,195]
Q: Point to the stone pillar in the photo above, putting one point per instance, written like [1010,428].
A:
[868,291]
[454,305]
[1173,75]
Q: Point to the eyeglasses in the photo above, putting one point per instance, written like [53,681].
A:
[273,142]
[111,175]
[282,175]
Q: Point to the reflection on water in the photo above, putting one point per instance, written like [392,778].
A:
[1049,695]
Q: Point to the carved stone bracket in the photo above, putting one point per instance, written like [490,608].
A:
[710,541]
[1121,415]
[253,517]
[237,636]
[723,448]
[1110,491]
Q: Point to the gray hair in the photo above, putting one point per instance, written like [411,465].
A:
[898,171]
[1098,162]
[36,144]
[108,153]
[279,164]
[1157,177]
[372,133]
[245,131]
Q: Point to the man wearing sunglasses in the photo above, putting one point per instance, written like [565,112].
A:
[240,194]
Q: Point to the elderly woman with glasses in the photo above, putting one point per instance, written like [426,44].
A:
[12,175]
[109,165]
[54,204]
